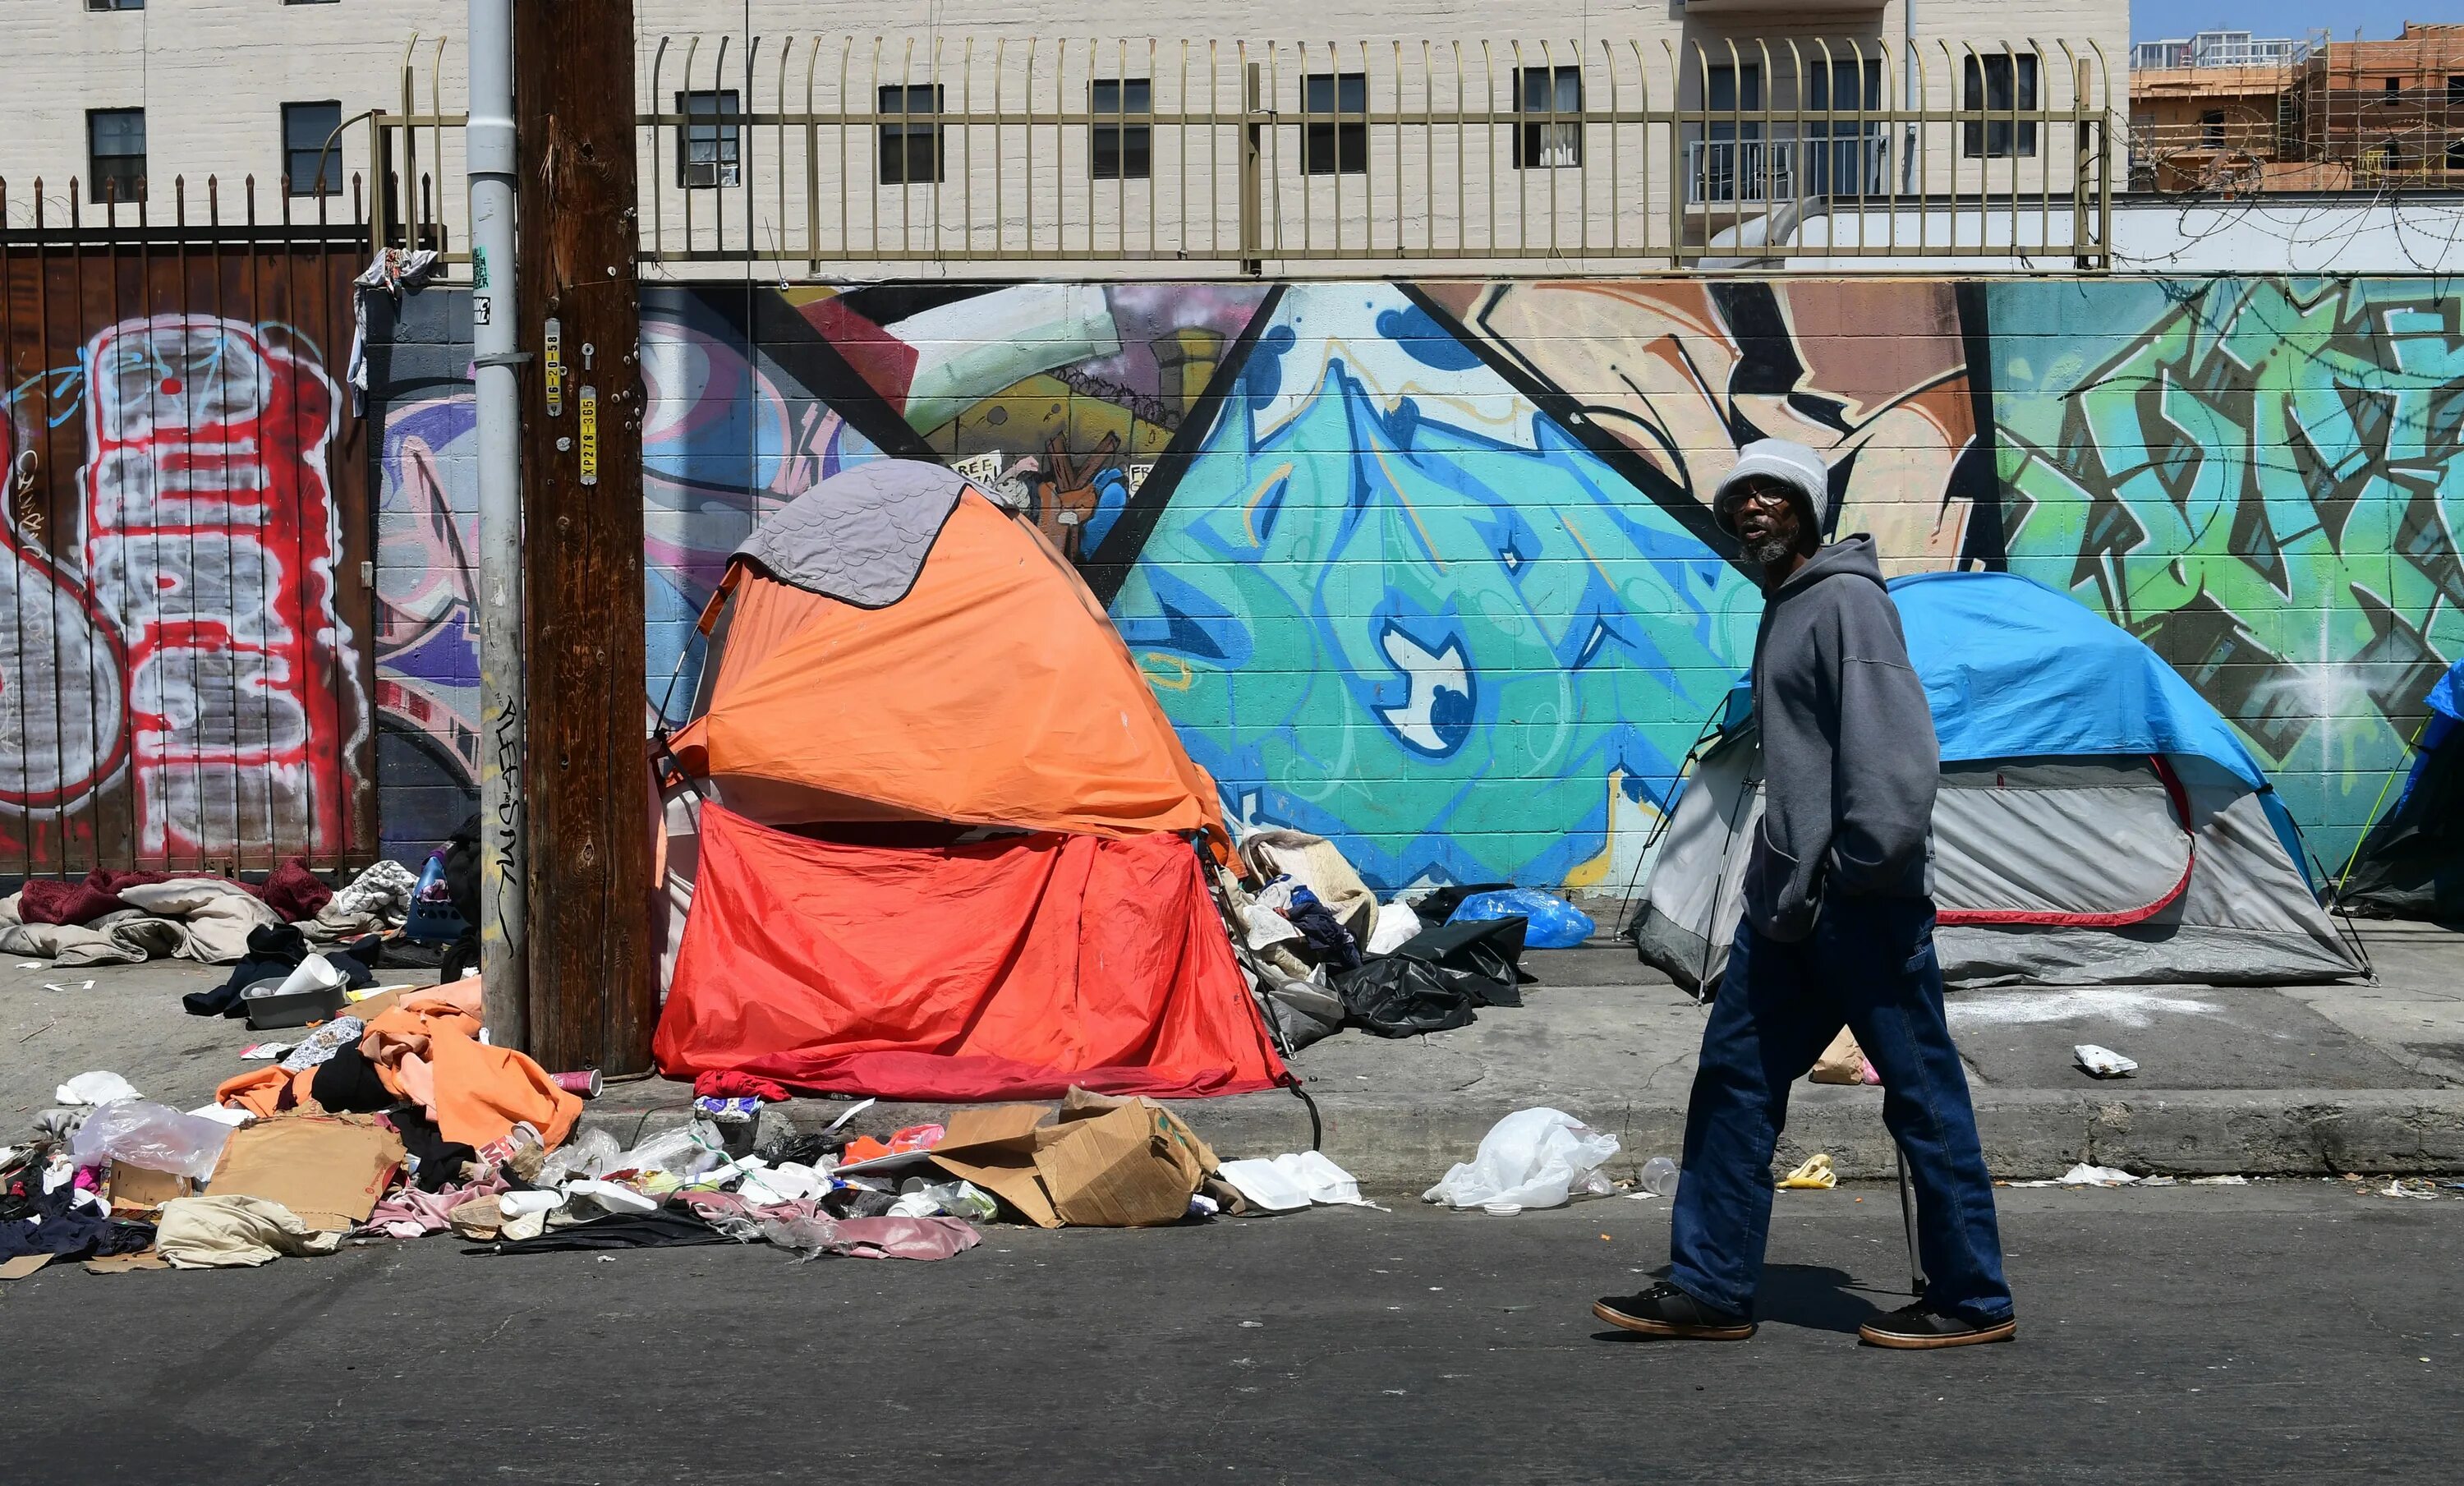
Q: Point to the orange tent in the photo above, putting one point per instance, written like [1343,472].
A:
[942,852]
[992,691]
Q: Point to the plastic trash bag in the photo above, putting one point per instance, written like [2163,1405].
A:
[157,1136]
[591,1153]
[1533,1158]
[1551,923]
[681,1154]
[918,1198]
[1293,1181]
[99,1087]
[1396,926]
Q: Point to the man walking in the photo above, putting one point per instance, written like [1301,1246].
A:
[1838,928]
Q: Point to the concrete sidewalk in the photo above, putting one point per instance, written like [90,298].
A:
[2300,1080]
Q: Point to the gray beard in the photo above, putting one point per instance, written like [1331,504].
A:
[1769,553]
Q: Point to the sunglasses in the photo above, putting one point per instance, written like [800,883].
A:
[1773,498]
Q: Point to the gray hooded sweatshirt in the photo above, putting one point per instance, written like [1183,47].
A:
[1850,760]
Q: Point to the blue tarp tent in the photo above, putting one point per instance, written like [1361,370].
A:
[2098,820]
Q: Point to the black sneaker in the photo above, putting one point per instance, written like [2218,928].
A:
[1665,1311]
[1918,1328]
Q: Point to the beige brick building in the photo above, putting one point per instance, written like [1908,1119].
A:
[112,91]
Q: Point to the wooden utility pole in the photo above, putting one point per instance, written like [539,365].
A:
[591,995]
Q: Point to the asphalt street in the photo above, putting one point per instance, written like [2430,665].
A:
[2290,1330]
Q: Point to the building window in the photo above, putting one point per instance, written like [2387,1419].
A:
[2212,129]
[115,5]
[2455,155]
[1122,151]
[1730,164]
[911,153]
[1548,90]
[2394,87]
[308,167]
[1336,146]
[1989,90]
[2455,92]
[115,140]
[712,155]
[1851,161]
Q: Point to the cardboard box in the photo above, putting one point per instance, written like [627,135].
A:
[330,1170]
[136,1190]
[1105,1164]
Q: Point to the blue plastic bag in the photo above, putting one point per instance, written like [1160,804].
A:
[1550,921]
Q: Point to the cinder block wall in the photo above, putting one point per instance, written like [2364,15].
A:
[1425,567]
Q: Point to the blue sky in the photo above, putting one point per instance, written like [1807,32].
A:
[2379,19]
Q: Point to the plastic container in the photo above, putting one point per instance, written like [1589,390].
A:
[1660,1177]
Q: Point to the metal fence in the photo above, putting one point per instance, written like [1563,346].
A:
[843,156]
[185,671]
[828,152]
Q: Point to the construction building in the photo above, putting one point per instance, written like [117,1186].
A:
[2224,113]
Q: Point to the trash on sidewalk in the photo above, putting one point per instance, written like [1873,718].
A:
[222,1232]
[157,1136]
[1106,1163]
[329,1171]
[1550,923]
[95,1088]
[1843,1062]
[1289,1183]
[2084,1174]
[1533,1158]
[1660,1177]
[1813,1174]
[2102,1062]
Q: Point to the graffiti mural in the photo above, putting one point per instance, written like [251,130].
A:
[179,685]
[2262,478]
[1394,603]
[427,616]
[1429,569]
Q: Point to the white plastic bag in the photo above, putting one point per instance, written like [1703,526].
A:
[1533,1158]
[154,1136]
[99,1087]
[1291,1182]
[1398,926]
[683,1153]
[591,1153]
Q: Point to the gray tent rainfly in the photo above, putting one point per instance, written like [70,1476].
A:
[2098,822]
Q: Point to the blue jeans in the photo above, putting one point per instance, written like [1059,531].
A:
[1870,963]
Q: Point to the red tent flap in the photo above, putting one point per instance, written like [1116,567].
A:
[1006,970]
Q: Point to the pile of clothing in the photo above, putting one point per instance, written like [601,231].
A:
[401,1123]
[124,918]
[1323,953]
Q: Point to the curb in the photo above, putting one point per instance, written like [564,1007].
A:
[1396,1145]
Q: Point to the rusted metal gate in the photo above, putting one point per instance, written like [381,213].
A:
[184,608]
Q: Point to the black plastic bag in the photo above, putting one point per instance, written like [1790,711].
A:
[1393,997]
[1480,957]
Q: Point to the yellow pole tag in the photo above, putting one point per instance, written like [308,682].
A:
[554,361]
[587,406]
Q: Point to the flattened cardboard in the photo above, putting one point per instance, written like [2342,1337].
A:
[136,1189]
[995,1148]
[23,1265]
[330,1170]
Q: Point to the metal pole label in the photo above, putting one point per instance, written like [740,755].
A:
[554,364]
[587,407]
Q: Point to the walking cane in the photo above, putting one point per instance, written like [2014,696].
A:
[1908,1217]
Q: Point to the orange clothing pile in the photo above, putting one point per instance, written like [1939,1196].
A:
[426,1047]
